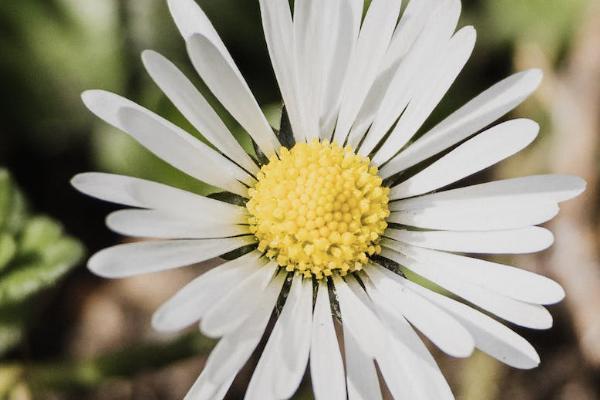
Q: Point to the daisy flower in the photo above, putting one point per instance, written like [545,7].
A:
[331,218]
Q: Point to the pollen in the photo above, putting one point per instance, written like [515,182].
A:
[319,209]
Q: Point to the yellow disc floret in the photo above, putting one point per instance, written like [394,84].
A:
[318,209]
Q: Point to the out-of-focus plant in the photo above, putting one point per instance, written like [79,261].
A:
[34,255]
[48,59]
[548,23]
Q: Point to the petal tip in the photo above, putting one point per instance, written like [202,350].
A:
[528,126]
[463,353]
[150,55]
[558,293]
[77,181]
[535,76]
[81,181]
[580,186]
[97,267]
[88,96]
[160,322]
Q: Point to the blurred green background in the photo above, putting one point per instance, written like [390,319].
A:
[65,334]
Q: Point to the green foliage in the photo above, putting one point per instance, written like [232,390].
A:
[12,206]
[129,361]
[47,61]
[8,249]
[549,23]
[34,255]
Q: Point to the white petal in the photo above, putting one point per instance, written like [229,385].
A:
[233,351]
[261,384]
[193,22]
[205,390]
[189,304]
[359,319]
[261,387]
[183,151]
[429,93]
[395,371]
[230,88]
[313,27]
[195,108]
[282,364]
[278,28]
[295,323]
[326,366]
[126,260]
[424,375]
[523,314]
[238,346]
[555,188]
[340,47]
[220,72]
[416,69]
[190,20]
[477,215]
[519,241]
[167,141]
[361,375]
[473,116]
[443,330]
[229,313]
[374,39]
[490,336]
[478,153]
[393,368]
[413,21]
[161,225]
[417,13]
[135,192]
[508,281]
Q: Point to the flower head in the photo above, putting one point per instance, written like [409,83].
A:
[318,209]
[339,205]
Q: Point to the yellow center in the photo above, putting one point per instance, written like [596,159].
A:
[318,209]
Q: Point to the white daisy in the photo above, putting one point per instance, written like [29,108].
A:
[328,231]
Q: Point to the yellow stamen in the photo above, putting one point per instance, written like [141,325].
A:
[318,209]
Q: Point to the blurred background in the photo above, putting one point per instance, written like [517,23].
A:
[65,334]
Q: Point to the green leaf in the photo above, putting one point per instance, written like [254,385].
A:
[18,213]
[34,255]
[39,232]
[5,196]
[42,272]
[8,249]
[13,208]
[10,336]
